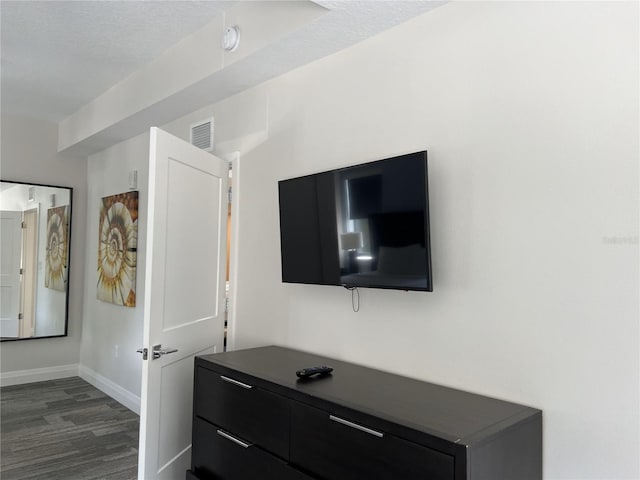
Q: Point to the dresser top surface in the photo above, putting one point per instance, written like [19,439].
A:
[453,414]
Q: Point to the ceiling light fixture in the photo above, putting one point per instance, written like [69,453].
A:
[231,38]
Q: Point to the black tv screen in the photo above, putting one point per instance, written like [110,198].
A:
[360,226]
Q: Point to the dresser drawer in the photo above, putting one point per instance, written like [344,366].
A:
[221,455]
[259,416]
[337,448]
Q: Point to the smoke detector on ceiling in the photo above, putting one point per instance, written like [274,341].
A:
[231,38]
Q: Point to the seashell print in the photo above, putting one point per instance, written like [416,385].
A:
[56,248]
[117,249]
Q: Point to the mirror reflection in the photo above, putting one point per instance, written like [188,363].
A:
[34,260]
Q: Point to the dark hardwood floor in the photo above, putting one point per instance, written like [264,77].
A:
[65,429]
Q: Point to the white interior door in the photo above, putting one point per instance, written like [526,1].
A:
[184,295]
[10,259]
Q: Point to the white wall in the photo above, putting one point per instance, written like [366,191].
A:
[112,333]
[529,112]
[28,154]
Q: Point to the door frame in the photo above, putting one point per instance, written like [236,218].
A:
[29,296]
[234,160]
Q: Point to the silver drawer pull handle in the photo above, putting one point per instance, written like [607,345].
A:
[235,382]
[356,426]
[233,439]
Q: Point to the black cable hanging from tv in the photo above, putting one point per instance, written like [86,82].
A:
[355,298]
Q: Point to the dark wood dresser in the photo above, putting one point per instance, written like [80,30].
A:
[253,418]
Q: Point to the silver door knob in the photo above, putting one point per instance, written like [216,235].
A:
[158,351]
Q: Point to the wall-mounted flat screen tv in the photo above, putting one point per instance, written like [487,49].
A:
[360,226]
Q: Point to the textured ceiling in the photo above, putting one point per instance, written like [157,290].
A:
[59,55]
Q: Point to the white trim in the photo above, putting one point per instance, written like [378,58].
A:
[19,377]
[115,391]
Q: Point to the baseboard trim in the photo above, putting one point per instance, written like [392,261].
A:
[19,377]
[115,391]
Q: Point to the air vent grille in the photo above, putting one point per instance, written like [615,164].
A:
[202,134]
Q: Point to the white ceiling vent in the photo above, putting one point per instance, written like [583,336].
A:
[202,134]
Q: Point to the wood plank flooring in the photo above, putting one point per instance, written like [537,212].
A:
[66,429]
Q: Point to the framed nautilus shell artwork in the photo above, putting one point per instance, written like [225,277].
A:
[57,248]
[117,249]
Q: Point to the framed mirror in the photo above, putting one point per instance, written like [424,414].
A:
[35,251]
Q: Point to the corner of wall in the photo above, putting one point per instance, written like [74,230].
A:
[115,391]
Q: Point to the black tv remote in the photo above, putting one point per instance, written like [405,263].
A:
[309,371]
